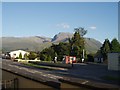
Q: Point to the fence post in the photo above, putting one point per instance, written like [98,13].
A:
[16,84]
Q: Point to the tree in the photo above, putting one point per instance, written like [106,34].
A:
[26,57]
[81,30]
[20,56]
[32,55]
[77,44]
[49,58]
[56,54]
[106,48]
[90,57]
[61,49]
[74,47]
[43,57]
[115,45]
[48,51]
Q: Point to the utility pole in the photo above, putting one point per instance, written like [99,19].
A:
[83,56]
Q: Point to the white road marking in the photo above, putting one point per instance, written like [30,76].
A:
[10,65]
[85,82]
[53,77]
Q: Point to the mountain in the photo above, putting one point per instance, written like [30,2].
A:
[92,45]
[25,43]
[62,37]
[38,43]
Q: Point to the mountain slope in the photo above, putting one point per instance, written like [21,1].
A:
[30,43]
[92,45]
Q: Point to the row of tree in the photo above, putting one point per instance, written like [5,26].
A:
[113,46]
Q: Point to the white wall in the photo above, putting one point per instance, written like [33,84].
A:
[113,61]
[17,53]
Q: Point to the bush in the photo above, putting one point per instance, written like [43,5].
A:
[49,58]
[26,57]
[43,57]
[78,60]
[90,58]
[32,56]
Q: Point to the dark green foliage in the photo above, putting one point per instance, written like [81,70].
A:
[32,55]
[115,45]
[77,45]
[49,58]
[74,47]
[20,56]
[43,57]
[56,54]
[26,57]
[90,58]
[61,49]
[106,48]
[46,53]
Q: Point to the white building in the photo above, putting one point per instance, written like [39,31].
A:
[113,61]
[15,54]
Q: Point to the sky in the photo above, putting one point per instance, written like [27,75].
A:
[22,19]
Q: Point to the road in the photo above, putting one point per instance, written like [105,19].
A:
[92,72]
[18,67]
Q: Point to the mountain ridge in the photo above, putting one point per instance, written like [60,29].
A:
[38,43]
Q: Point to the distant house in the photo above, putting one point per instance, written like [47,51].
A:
[5,55]
[15,54]
[98,57]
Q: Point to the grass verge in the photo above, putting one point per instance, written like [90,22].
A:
[111,78]
[39,66]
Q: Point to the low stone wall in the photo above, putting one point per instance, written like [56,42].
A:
[29,81]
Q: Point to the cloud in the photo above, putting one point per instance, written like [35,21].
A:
[63,25]
[93,27]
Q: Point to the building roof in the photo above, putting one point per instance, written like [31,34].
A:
[18,51]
